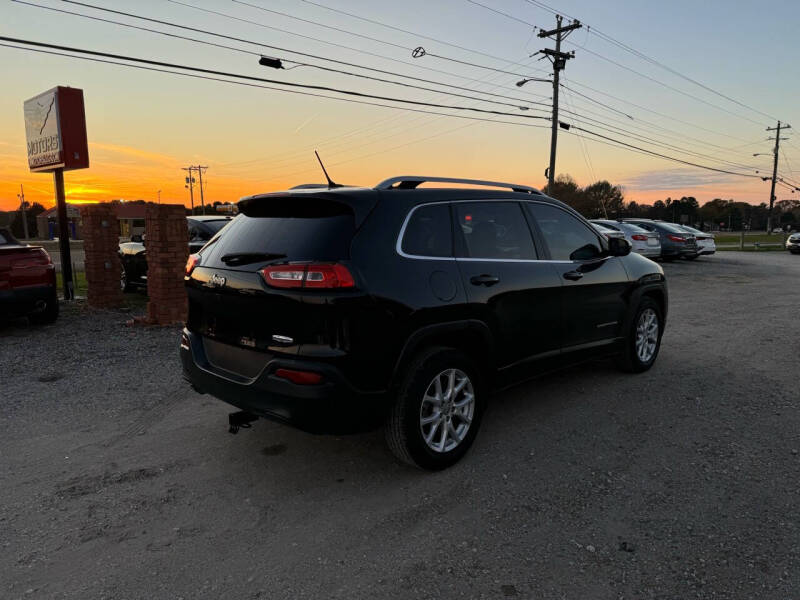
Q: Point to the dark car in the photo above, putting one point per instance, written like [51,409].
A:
[676,242]
[134,260]
[27,281]
[338,310]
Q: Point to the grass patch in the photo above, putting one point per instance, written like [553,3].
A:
[135,300]
[749,238]
[752,249]
[79,283]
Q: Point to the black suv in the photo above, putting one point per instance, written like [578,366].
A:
[337,310]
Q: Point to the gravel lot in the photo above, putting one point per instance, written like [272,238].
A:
[117,481]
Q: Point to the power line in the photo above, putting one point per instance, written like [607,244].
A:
[259,44]
[620,65]
[640,123]
[323,88]
[606,37]
[359,35]
[659,155]
[303,64]
[670,87]
[406,31]
[278,89]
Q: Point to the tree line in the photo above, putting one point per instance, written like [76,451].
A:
[602,200]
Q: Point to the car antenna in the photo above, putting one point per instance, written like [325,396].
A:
[331,184]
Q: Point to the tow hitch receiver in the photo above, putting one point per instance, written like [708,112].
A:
[240,419]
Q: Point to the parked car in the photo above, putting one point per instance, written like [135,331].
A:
[134,259]
[338,310]
[27,281]
[646,243]
[793,243]
[705,240]
[675,242]
[608,233]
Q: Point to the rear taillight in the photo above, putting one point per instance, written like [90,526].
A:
[639,237]
[191,263]
[317,276]
[299,377]
[676,238]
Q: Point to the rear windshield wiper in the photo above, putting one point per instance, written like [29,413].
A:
[244,258]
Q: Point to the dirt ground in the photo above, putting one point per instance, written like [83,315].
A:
[117,481]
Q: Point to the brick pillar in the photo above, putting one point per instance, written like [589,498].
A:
[101,247]
[167,247]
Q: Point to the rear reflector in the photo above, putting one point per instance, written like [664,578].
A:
[639,237]
[299,377]
[318,276]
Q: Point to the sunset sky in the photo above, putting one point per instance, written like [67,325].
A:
[143,126]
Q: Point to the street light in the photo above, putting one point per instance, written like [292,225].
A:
[764,154]
[526,80]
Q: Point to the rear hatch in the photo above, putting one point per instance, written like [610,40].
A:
[24,266]
[278,278]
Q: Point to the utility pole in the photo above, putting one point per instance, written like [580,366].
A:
[777,131]
[190,182]
[202,201]
[21,197]
[559,60]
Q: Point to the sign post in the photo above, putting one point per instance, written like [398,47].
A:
[55,128]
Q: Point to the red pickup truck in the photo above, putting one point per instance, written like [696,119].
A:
[27,281]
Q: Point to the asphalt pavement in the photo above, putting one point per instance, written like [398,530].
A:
[117,481]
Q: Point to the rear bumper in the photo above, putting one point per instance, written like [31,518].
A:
[648,251]
[333,406]
[24,301]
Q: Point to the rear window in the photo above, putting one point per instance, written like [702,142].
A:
[671,228]
[631,228]
[215,226]
[295,237]
[3,240]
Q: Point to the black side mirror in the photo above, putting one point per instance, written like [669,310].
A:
[619,246]
[137,237]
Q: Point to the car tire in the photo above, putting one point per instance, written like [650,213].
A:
[416,415]
[635,358]
[124,284]
[49,314]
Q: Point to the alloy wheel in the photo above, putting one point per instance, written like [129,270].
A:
[447,410]
[647,335]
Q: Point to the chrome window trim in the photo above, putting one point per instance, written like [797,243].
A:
[399,243]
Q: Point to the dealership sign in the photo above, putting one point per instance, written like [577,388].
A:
[55,128]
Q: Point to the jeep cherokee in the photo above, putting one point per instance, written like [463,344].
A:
[341,309]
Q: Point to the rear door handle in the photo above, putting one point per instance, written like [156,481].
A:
[486,280]
[573,275]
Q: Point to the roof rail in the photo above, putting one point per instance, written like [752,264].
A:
[410,182]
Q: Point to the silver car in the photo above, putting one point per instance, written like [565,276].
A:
[646,243]
[793,243]
[705,240]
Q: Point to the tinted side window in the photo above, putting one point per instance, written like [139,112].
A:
[567,237]
[495,230]
[428,232]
